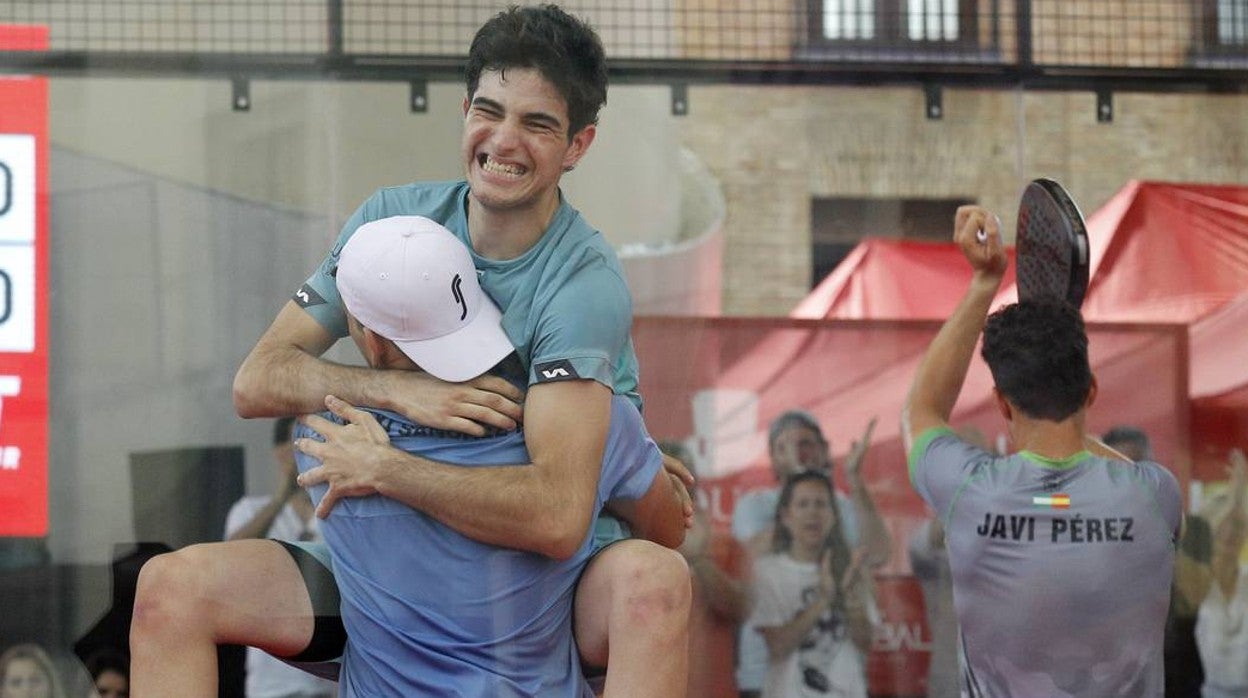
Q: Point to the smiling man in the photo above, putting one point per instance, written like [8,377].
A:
[536,78]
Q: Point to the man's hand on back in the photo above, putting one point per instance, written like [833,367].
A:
[354,456]
[467,408]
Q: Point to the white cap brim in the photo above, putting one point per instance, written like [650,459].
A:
[465,353]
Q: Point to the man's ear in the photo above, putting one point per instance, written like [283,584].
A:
[580,143]
[374,347]
[467,104]
[1091,398]
[1003,405]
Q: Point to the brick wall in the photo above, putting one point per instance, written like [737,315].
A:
[774,148]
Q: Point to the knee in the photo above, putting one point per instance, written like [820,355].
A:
[656,586]
[167,596]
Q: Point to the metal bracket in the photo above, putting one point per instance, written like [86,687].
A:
[241,100]
[418,98]
[1104,106]
[935,105]
[680,100]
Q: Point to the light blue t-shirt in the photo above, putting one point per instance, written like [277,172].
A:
[566,306]
[1061,569]
[431,613]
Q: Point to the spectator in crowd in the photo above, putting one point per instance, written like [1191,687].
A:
[26,671]
[795,443]
[716,563]
[1192,578]
[110,673]
[813,604]
[1221,632]
[288,515]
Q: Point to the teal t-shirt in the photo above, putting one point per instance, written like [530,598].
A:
[566,306]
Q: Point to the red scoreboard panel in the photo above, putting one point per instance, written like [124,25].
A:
[23,292]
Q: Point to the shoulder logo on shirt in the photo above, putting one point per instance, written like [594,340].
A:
[306,297]
[555,371]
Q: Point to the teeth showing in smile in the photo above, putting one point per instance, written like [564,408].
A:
[490,165]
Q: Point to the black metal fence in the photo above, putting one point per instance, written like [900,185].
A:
[1152,44]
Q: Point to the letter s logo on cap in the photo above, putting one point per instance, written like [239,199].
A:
[458,294]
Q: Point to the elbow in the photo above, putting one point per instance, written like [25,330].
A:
[244,394]
[560,549]
[562,535]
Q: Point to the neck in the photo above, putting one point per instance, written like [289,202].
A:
[509,233]
[1054,440]
[803,553]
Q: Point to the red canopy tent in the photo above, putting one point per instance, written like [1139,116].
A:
[1160,253]
[892,279]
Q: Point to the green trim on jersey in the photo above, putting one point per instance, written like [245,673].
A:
[1056,463]
[920,445]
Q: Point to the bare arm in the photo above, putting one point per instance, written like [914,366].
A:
[782,640]
[724,595]
[662,514]
[943,369]
[876,541]
[1193,573]
[284,375]
[1231,531]
[544,508]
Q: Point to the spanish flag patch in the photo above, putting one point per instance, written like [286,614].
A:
[1053,501]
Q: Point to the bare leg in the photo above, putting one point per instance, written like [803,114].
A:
[632,607]
[246,592]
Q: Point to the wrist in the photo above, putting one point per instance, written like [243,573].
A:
[986,281]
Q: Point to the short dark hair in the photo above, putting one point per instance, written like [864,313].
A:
[283,427]
[1038,354]
[107,659]
[789,419]
[1123,434]
[564,49]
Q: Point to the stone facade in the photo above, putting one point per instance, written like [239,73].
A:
[774,148]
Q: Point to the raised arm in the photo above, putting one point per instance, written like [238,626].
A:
[943,369]
[546,508]
[284,375]
[1229,534]
[875,540]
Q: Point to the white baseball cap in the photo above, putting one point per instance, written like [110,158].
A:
[412,281]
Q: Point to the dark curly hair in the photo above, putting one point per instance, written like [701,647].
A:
[564,49]
[1038,354]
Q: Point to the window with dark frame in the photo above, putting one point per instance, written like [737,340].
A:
[838,224]
[897,23]
[1226,25]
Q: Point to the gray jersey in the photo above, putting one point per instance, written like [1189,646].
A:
[1061,569]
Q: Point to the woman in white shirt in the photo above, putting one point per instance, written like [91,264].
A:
[813,604]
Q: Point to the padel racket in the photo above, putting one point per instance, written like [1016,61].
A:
[1052,245]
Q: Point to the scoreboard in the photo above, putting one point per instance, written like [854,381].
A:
[23,293]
